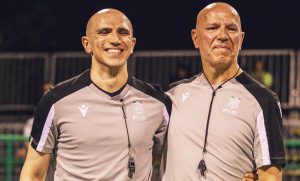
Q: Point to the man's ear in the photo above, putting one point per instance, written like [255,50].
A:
[133,42]
[195,38]
[242,39]
[86,44]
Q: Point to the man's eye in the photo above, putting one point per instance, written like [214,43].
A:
[211,28]
[124,32]
[103,31]
[232,29]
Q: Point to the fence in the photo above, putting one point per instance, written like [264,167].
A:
[10,164]
[22,74]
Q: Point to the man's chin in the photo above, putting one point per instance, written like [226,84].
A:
[111,63]
[117,63]
[222,62]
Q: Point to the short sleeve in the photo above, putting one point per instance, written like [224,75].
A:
[268,143]
[159,137]
[43,133]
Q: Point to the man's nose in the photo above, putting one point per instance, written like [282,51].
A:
[222,35]
[115,39]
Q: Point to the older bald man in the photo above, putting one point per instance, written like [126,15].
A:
[223,123]
[101,124]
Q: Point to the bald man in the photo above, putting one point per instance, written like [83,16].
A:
[223,123]
[101,124]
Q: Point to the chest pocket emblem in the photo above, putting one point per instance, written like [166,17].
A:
[138,111]
[232,104]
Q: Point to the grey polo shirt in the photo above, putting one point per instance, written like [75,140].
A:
[86,129]
[245,129]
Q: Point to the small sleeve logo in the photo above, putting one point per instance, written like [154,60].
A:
[83,109]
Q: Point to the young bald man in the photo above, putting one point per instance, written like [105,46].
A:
[223,122]
[102,124]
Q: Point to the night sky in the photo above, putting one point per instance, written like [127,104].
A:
[50,25]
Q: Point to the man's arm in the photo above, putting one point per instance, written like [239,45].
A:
[158,140]
[160,134]
[270,172]
[35,166]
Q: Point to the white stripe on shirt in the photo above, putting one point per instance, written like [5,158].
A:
[263,139]
[46,129]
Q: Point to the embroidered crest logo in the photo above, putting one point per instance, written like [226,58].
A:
[138,111]
[233,103]
[138,108]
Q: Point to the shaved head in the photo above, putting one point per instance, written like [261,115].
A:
[217,7]
[102,13]
[218,36]
[109,39]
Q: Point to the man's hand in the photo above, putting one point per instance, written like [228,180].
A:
[270,172]
[250,176]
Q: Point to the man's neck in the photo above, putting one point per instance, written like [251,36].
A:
[110,80]
[219,75]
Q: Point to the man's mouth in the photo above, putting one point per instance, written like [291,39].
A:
[114,50]
[222,47]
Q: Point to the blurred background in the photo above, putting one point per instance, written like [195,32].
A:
[40,45]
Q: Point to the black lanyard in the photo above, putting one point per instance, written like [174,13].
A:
[202,165]
[131,162]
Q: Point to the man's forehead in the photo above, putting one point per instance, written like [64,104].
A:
[112,21]
[221,10]
[108,18]
[111,18]
[212,15]
[221,7]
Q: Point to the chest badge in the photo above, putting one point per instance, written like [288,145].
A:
[138,111]
[233,102]
[232,105]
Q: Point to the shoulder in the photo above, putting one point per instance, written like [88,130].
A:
[153,90]
[68,87]
[183,81]
[261,93]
